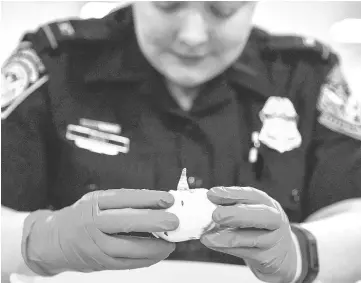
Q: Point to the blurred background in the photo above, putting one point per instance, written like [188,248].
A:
[337,23]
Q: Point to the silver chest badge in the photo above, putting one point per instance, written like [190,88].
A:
[279,130]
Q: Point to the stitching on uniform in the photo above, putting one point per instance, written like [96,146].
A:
[23,96]
[49,34]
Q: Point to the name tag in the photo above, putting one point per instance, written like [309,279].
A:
[97,141]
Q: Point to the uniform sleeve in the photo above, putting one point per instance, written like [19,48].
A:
[24,129]
[334,161]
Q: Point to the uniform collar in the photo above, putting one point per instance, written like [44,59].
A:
[250,71]
[122,60]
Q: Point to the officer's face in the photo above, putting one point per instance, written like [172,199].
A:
[192,42]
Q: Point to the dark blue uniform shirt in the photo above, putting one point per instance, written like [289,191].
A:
[57,145]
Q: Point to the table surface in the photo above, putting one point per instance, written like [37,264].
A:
[163,272]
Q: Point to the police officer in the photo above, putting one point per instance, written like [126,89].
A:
[93,107]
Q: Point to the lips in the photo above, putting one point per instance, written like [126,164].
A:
[191,57]
[189,60]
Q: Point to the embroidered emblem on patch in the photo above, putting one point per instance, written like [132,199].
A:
[279,130]
[21,74]
[340,111]
[66,29]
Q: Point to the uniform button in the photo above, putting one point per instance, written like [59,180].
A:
[188,127]
[191,180]
[195,182]
[92,187]
[295,195]
[50,207]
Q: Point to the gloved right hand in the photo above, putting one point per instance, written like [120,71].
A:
[79,237]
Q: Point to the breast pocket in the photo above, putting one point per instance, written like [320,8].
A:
[81,170]
[283,175]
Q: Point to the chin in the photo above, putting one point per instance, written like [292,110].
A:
[190,79]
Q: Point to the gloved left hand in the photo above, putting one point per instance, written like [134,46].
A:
[253,226]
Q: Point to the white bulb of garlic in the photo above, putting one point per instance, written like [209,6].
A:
[194,211]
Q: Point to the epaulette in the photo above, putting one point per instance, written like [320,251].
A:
[72,32]
[56,35]
[288,43]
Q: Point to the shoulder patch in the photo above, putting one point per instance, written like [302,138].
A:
[340,111]
[299,43]
[22,73]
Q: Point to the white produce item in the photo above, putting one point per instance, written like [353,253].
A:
[194,211]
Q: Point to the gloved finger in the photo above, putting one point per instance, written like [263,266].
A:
[248,216]
[127,220]
[134,247]
[241,238]
[233,195]
[129,198]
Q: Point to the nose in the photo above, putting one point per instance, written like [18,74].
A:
[193,31]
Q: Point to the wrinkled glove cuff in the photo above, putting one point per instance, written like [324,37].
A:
[299,258]
[309,255]
[27,229]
